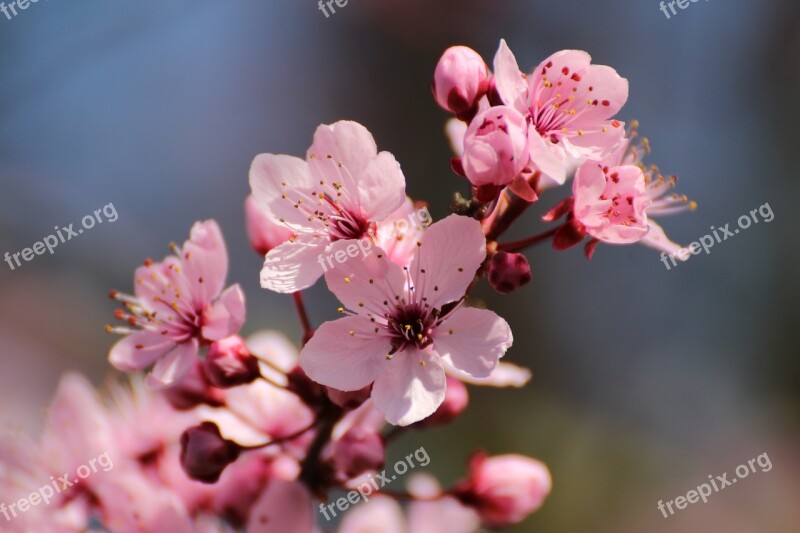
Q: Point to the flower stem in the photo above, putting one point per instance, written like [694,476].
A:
[516,246]
[308,331]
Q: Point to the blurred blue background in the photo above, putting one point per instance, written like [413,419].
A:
[645,380]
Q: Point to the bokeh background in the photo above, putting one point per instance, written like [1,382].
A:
[645,380]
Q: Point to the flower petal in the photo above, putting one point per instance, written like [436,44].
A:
[345,353]
[503,375]
[657,239]
[139,350]
[226,316]
[473,340]
[381,187]
[171,368]
[509,80]
[294,265]
[410,387]
[548,158]
[448,257]
[205,262]
[362,282]
[284,507]
[268,173]
[341,152]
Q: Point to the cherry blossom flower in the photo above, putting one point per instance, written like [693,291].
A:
[179,305]
[610,202]
[402,331]
[342,189]
[495,146]
[570,104]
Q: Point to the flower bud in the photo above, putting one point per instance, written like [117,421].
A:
[264,234]
[229,363]
[504,489]
[194,390]
[460,80]
[495,147]
[508,272]
[205,453]
[456,399]
[359,450]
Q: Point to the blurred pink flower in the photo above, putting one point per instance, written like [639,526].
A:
[504,489]
[338,193]
[178,305]
[570,104]
[404,330]
[264,233]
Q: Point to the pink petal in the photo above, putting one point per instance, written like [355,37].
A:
[349,144]
[455,130]
[473,340]
[379,515]
[509,80]
[610,89]
[553,69]
[547,158]
[450,254]
[362,282]
[139,350]
[657,238]
[226,316]
[268,173]
[410,387]
[205,262]
[294,266]
[284,507]
[345,354]
[596,142]
[170,369]
[503,375]
[381,187]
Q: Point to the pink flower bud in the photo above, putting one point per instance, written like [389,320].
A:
[359,450]
[229,363]
[264,234]
[456,399]
[504,489]
[194,390]
[460,80]
[205,454]
[495,147]
[508,272]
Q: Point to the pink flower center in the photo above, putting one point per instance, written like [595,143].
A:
[411,325]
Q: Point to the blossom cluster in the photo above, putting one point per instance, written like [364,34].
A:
[232,434]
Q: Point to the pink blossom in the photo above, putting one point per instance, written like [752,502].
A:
[570,104]
[460,79]
[495,146]
[178,305]
[505,489]
[611,202]
[400,333]
[342,189]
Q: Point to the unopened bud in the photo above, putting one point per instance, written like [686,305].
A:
[359,450]
[194,390]
[460,80]
[229,363]
[495,147]
[205,453]
[508,272]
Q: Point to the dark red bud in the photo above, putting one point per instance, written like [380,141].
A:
[508,272]
[205,453]
[229,363]
[194,390]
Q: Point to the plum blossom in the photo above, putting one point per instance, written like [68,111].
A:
[610,202]
[570,105]
[406,326]
[179,305]
[339,193]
